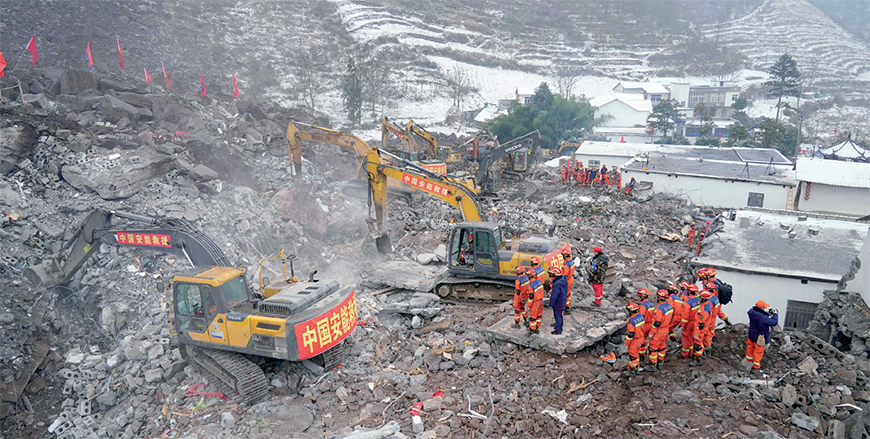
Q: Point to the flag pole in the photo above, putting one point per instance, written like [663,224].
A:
[19,56]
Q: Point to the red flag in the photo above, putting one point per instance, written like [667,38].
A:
[202,83]
[90,58]
[235,89]
[120,54]
[2,65]
[168,84]
[622,139]
[31,46]
[147,76]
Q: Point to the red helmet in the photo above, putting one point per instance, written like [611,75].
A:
[706,294]
[662,294]
[693,289]
[520,270]
[673,289]
[530,272]
[684,285]
[596,249]
[534,261]
[642,293]
[632,308]
[702,273]
[711,286]
[554,271]
[566,253]
[711,273]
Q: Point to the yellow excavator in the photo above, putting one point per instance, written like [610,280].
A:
[215,315]
[441,153]
[477,253]
[565,148]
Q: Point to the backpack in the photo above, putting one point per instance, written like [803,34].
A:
[725,293]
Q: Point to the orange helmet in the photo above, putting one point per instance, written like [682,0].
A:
[632,308]
[684,286]
[711,273]
[673,289]
[710,285]
[535,261]
[706,294]
[554,271]
[566,253]
[702,273]
[642,293]
[693,289]
[520,270]
[662,294]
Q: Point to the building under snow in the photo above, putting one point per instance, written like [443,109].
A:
[833,186]
[787,259]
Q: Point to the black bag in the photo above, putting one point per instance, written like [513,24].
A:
[725,293]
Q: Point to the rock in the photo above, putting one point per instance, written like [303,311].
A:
[227,420]
[341,393]
[153,375]
[416,322]
[748,429]
[115,109]
[74,356]
[789,395]
[302,208]
[432,404]
[114,179]
[74,82]
[133,349]
[114,360]
[417,424]
[203,173]
[427,258]
[684,396]
[38,100]
[155,352]
[861,395]
[279,382]
[803,421]
[768,435]
[107,399]
[847,377]
[423,300]
[837,430]
[808,365]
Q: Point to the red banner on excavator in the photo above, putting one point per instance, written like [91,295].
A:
[320,333]
[146,239]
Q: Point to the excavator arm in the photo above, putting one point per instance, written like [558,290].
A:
[382,166]
[102,227]
[482,176]
[387,127]
[412,128]
[323,135]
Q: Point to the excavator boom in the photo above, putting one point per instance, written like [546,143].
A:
[412,128]
[319,134]
[532,141]
[387,127]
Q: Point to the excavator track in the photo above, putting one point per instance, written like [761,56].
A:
[240,378]
[475,290]
[336,356]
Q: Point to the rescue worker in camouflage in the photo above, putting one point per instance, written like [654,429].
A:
[521,296]
[535,302]
[704,312]
[661,324]
[597,272]
[568,272]
[634,337]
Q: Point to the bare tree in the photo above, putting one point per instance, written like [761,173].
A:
[565,81]
[310,80]
[379,81]
[459,83]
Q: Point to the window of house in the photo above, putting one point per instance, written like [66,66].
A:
[594,163]
[692,132]
[798,314]
[733,97]
[717,97]
[755,200]
[721,132]
[696,97]
[528,100]
[655,98]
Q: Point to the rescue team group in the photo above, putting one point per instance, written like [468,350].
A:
[576,173]
[694,310]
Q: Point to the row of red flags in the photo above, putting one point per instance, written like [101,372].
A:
[31,46]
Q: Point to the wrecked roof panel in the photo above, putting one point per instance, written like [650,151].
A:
[756,242]
[715,168]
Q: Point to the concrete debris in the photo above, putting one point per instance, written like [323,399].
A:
[803,421]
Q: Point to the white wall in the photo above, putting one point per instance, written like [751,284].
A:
[623,115]
[750,288]
[712,191]
[609,160]
[835,199]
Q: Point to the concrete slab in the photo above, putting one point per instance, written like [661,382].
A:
[408,275]
[585,326]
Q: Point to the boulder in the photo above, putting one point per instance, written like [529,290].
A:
[118,86]
[115,109]
[203,173]
[74,82]
[227,420]
[803,421]
[300,207]
[113,177]
[38,100]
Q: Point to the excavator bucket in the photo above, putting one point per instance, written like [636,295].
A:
[46,274]
[383,244]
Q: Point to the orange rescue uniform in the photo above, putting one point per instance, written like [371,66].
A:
[536,303]
[521,295]
[661,324]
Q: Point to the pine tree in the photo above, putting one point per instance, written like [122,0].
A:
[351,91]
[543,97]
[664,116]
[784,80]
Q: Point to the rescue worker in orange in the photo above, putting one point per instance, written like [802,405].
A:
[540,274]
[647,308]
[704,313]
[635,336]
[688,334]
[661,327]
[566,173]
[521,296]
[691,234]
[761,319]
[680,310]
[717,313]
[535,302]
[568,272]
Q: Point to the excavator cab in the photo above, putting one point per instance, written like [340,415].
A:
[473,248]
[203,301]
[520,160]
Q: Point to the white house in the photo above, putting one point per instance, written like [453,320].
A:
[833,186]
[651,91]
[787,259]
[626,134]
[624,109]
[524,95]
[612,154]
